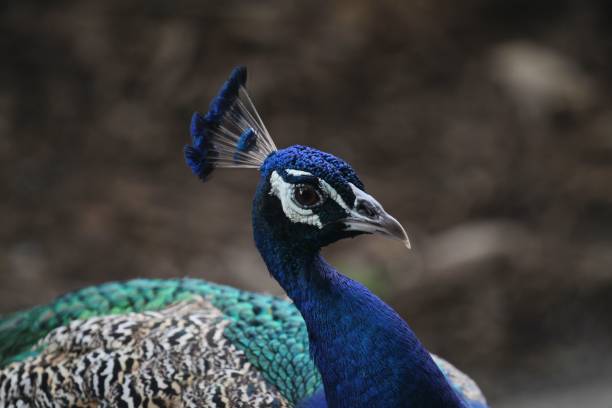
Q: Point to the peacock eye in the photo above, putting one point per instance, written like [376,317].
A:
[307,196]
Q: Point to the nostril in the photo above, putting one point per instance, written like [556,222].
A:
[366,209]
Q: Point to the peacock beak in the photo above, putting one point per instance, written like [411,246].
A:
[367,215]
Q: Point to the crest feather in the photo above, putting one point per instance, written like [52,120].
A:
[231,134]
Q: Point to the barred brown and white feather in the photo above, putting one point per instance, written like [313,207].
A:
[177,357]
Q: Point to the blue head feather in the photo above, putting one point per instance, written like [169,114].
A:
[227,95]
[247,140]
[231,134]
[332,169]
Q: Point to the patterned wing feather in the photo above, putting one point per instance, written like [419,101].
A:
[175,357]
[264,331]
[268,330]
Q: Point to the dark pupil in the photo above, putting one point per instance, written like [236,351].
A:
[306,195]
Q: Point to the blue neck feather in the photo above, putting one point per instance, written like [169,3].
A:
[366,354]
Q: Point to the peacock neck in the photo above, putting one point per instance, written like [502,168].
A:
[366,354]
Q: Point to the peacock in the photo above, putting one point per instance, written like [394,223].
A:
[191,343]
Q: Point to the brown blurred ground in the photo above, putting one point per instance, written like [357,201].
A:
[485,126]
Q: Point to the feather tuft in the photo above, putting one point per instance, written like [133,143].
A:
[231,134]
[247,140]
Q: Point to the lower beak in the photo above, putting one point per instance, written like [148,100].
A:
[369,216]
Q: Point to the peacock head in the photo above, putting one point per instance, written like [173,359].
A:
[305,198]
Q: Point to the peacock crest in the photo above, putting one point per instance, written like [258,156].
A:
[231,134]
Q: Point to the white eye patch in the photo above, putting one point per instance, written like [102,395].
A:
[284,191]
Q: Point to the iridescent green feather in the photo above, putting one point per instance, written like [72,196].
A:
[269,330]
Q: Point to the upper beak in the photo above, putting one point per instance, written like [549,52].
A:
[367,215]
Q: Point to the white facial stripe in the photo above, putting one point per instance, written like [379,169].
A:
[298,172]
[284,191]
[331,192]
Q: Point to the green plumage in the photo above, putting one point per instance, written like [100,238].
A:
[269,330]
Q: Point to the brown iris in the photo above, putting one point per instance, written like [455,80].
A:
[306,195]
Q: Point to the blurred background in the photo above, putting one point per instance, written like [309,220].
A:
[484,126]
